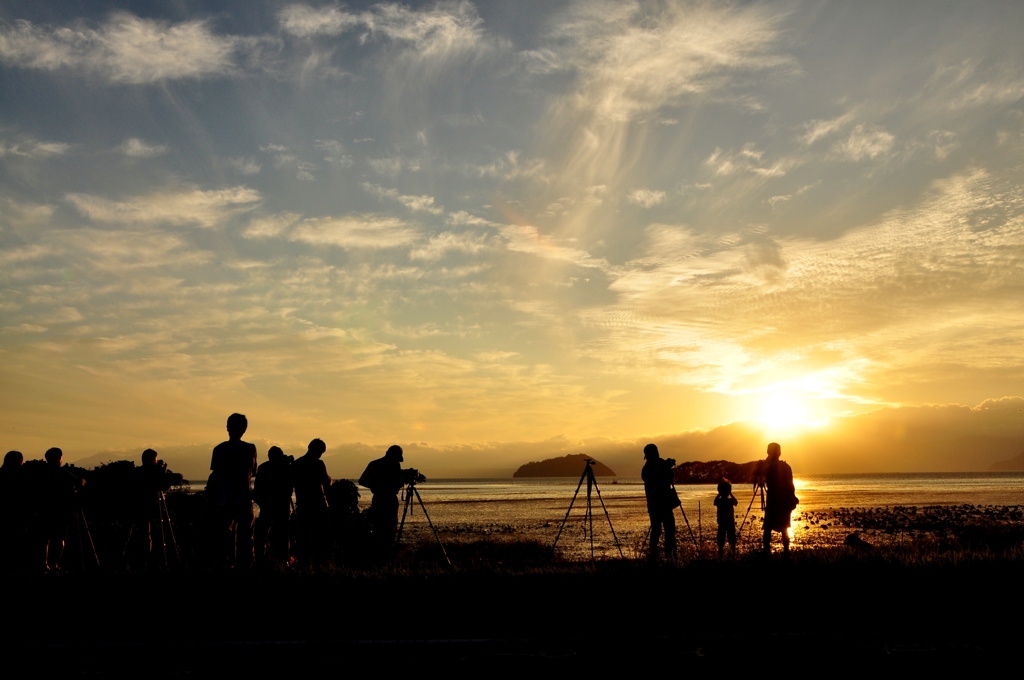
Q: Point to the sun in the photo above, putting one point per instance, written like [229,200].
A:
[782,410]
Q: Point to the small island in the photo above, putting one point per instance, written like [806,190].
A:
[566,466]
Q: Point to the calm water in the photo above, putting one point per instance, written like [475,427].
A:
[537,507]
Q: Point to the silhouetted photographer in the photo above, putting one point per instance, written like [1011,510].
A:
[151,480]
[661,499]
[13,519]
[384,478]
[272,491]
[228,489]
[58,504]
[311,483]
[777,478]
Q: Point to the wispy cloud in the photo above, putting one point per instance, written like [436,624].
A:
[124,49]
[202,208]
[32,148]
[133,147]
[414,203]
[645,198]
[355,231]
[441,244]
[865,142]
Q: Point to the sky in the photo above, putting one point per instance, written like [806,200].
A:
[496,230]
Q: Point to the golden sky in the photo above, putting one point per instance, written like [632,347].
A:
[469,227]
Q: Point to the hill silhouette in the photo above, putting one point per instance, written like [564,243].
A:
[714,471]
[566,466]
[1015,464]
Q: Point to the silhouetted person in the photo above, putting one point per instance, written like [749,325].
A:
[151,479]
[384,478]
[272,491]
[725,503]
[781,497]
[13,518]
[59,502]
[658,477]
[233,464]
[311,483]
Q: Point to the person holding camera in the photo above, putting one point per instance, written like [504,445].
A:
[777,477]
[272,491]
[384,478]
[151,479]
[661,501]
[311,483]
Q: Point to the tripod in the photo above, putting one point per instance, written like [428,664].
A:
[408,495]
[164,517]
[588,515]
[758,486]
[81,523]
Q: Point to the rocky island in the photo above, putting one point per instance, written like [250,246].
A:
[566,466]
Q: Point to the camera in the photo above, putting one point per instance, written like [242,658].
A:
[671,462]
[412,476]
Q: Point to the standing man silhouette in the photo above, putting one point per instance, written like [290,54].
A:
[233,464]
[384,478]
[781,497]
[59,504]
[658,476]
[272,491]
[311,484]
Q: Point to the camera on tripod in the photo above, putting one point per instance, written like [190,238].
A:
[412,476]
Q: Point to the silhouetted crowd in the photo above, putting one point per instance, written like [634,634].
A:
[300,509]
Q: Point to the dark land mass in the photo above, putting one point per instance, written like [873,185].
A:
[714,471]
[566,466]
[1015,464]
[824,606]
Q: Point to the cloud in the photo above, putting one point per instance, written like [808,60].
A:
[303,21]
[392,166]
[413,203]
[32,148]
[526,239]
[202,208]
[125,49]
[270,227]
[355,231]
[746,160]
[134,147]
[446,242]
[646,198]
[819,129]
[632,62]
[335,152]
[245,165]
[24,214]
[865,142]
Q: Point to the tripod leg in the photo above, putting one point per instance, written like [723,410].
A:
[689,528]
[431,524]
[88,534]
[590,520]
[405,511]
[608,517]
[170,527]
[81,547]
[566,519]
[163,538]
[128,541]
[748,511]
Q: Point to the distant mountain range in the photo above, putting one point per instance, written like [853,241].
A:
[566,466]
[1015,464]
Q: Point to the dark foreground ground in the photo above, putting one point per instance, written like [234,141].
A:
[837,607]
